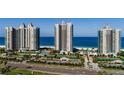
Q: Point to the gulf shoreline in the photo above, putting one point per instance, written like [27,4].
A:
[3,46]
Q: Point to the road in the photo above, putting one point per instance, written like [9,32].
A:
[55,69]
[86,66]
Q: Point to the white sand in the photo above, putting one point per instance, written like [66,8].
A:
[85,48]
[2,46]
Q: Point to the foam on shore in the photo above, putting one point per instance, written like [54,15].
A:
[74,47]
[89,48]
[2,46]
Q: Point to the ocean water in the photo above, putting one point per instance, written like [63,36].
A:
[91,42]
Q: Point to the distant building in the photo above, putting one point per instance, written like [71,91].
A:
[64,37]
[22,38]
[109,40]
[64,59]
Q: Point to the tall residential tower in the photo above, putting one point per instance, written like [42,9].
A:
[109,40]
[22,38]
[64,36]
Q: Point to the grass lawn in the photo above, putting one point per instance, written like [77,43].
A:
[113,71]
[18,71]
[106,59]
[122,58]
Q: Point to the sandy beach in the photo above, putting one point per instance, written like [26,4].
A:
[2,46]
[85,48]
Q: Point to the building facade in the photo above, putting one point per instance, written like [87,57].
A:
[109,40]
[22,38]
[64,37]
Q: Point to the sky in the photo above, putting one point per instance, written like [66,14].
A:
[83,27]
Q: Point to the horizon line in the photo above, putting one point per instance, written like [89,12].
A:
[73,36]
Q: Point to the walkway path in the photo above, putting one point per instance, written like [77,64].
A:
[88,64]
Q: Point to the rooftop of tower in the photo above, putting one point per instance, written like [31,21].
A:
[108,28]
[63,22]
[30,25]
[22,25]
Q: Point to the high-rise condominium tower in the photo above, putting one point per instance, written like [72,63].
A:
[64,36]
[109,40]
[22,38]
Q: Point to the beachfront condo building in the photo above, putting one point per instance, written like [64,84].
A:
[109,40]
[22,38]
[64,36]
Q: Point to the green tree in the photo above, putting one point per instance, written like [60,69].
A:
[5,70]
[5,62]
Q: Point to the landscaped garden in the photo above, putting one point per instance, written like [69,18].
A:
[106,59]
[8,70]
[18,71]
